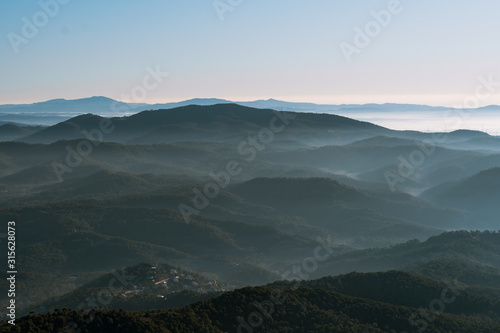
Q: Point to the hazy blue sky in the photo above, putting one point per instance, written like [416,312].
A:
[431,52]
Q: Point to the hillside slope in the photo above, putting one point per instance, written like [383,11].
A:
[478,194]
[314,307]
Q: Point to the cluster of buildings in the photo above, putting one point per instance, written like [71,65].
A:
[171,281]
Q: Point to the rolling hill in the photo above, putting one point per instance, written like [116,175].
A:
[11,132]
[471,257]
[478,194]
[332,204]
[199,123]
[313,306]
[302,178]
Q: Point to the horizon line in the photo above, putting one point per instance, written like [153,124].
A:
[236,101]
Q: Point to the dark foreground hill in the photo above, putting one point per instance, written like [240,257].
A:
[388,302]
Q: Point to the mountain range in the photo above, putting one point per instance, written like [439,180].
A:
[244,198]
[53,111]
[380,302]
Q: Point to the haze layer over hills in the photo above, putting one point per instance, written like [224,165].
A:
[397,116]
[234,196]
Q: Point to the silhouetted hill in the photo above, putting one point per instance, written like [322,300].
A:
[311,307]
[96,104]
[402,288]
[385,141]
[330,204]
[199,123]
[468,255]
[175,159]
[478,194]
[373,163]
[67,130]
[482,278]
[160,189]
[492,143]
[140,290]
[10,132]
[466,135]
[64,238]
[100,104]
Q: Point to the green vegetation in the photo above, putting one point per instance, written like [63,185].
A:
[390,305]
[83,218]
